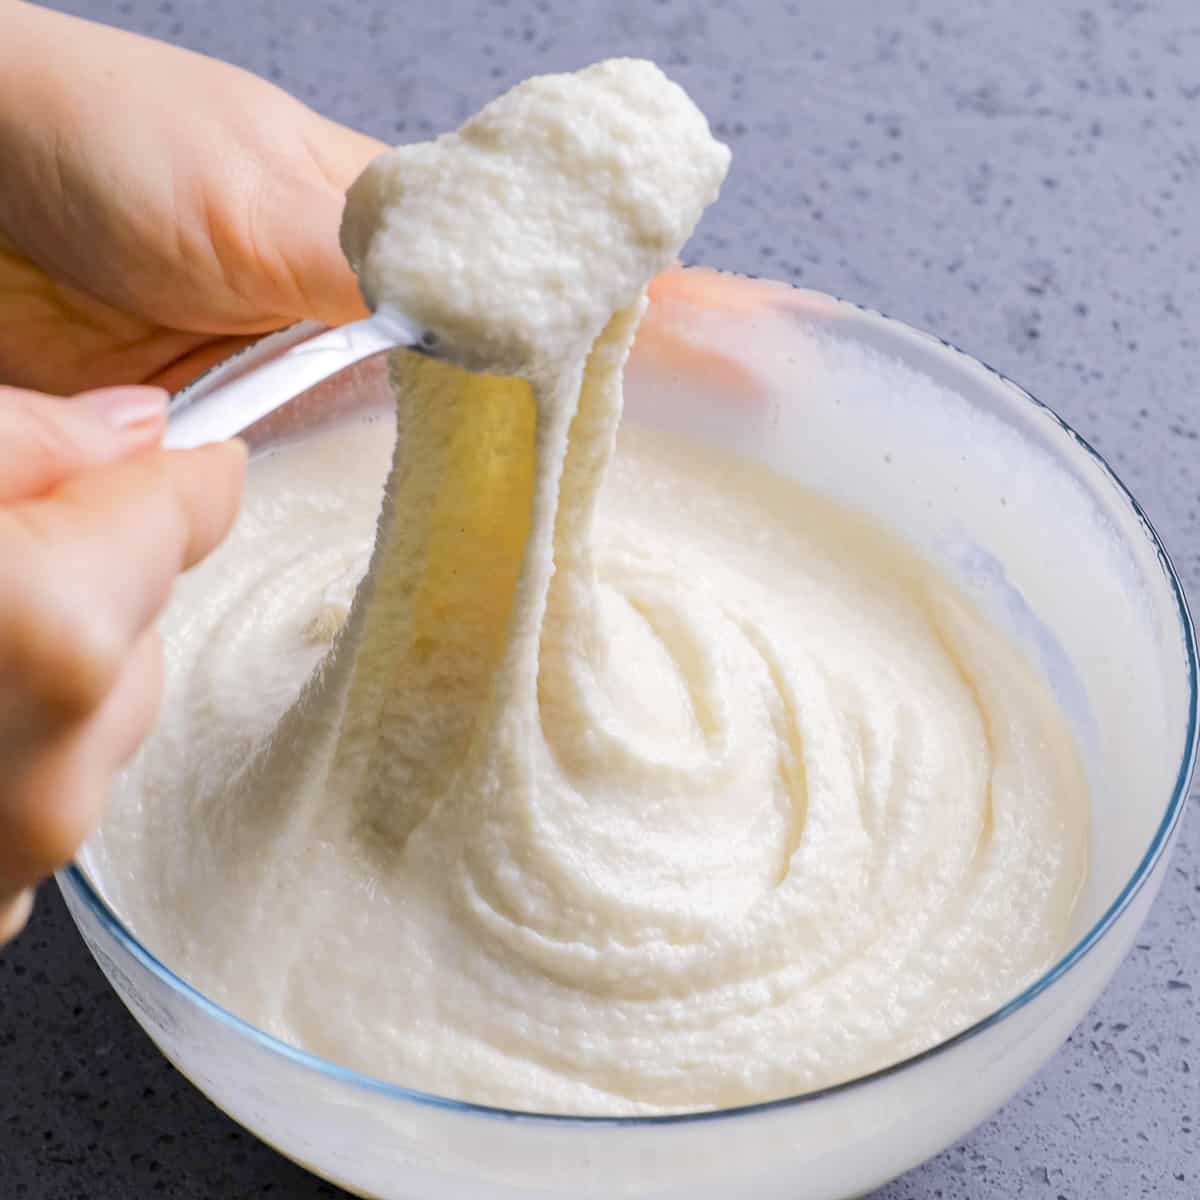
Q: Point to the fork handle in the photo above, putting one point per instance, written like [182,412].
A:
[234,401]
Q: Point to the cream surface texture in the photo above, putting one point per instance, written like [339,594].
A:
[583,772]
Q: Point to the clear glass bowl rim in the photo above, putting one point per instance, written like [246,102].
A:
[74,877]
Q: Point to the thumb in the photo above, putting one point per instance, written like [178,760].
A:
[44,440]
[325,286]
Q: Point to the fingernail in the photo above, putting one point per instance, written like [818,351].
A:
[15,915]
[125,408]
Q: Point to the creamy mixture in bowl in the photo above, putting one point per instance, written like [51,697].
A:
[523,760]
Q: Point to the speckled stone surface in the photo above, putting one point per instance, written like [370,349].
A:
[1022,176]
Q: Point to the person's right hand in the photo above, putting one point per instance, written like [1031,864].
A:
[96,523]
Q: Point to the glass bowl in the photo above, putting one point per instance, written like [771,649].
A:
[1031,522]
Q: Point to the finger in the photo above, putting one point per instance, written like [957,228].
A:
[47,809]
[183,370]
[309,275]
[45,439]
[310,249]
[52,804]
[126,718]
[93,564]
[342,152]
[15,910]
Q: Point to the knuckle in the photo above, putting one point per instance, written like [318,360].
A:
[70,786]
[66,651]
[166,534]
[53,834]
[41,436]
[84,660]
[48,820]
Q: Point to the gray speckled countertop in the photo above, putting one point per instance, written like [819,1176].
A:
[1023,177]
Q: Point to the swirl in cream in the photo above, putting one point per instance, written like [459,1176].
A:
[632,784]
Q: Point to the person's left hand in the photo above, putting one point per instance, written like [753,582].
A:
[157,207]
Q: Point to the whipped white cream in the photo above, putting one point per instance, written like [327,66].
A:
[634,784]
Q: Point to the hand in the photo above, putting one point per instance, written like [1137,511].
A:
[96,522]
[156,207]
